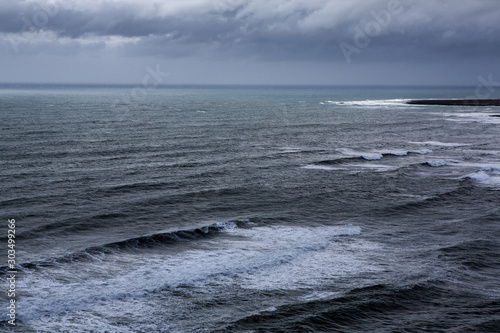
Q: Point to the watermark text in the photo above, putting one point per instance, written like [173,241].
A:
[367,30]
[12,272]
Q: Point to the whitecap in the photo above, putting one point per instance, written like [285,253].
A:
[372,156]
[438,143]
[366,155]
[420,151]
[375,167]
[396,152]
[437,163]
[320,167]
[377,155]
[262,257]
[372,103]
[483,177]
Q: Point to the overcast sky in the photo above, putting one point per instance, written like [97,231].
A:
[250,41]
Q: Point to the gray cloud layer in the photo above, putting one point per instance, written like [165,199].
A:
[267,30]
[251,41]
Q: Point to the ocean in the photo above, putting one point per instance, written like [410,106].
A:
[249,209]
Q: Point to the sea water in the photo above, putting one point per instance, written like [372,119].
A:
[250,209]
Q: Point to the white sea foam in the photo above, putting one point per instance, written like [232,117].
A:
[372,103]
[438,143]
[290,149]
[377,155]
[321,167]
[484,178]
[319,295]
[264,257]
[372,156]
[479,117]
[271,309]
[421,151]
[375,167]
[290,267]
[396,152]
[437,163]
[366,155]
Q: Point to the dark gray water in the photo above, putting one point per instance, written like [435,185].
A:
[251,210]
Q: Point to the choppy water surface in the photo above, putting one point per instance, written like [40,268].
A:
[251,210]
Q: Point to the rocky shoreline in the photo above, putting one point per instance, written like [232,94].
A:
[460,102]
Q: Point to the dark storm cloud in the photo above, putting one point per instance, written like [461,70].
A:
[271,30]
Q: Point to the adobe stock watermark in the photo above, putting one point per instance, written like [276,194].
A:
[365,31]
[32,24]
[485,88]
[151,80]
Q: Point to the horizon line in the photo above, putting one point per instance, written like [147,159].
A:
[234,85]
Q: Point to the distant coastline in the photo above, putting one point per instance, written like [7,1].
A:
[459,102]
